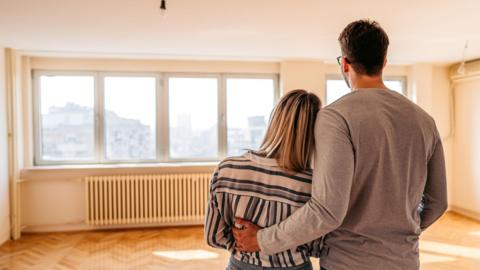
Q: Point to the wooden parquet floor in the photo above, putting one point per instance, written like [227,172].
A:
[452,243]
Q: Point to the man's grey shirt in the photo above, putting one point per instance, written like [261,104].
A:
[379,180]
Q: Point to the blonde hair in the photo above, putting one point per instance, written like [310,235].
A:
[290,135]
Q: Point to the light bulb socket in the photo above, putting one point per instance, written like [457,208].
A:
[163,5]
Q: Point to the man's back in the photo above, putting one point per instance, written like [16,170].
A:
[379,171]
[393,141]
[378,181]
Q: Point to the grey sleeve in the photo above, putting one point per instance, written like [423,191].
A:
[435,193]
[331,187]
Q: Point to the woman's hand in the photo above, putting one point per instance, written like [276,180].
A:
[245,236]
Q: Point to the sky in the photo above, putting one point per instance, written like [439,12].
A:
[134,97]
[128,97]
[252,97]
[59,90]
[196,97]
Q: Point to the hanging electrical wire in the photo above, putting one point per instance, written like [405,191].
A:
[462,69]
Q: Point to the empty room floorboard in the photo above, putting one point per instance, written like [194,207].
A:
[452,243]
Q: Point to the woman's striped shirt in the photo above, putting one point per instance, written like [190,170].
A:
[256,189]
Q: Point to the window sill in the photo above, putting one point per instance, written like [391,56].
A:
[76,172]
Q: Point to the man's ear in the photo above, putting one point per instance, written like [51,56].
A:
[345,66]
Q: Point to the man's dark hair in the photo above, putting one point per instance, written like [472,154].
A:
[364,43]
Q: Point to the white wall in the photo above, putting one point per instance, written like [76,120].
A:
[50,203]
[430,88]
[307,75]
[442,111]
[466,154]
[4,190]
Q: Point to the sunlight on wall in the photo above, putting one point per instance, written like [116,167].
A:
[450,250]
[477,233]
[187,255]
[432,258]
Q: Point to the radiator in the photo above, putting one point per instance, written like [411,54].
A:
[146,199]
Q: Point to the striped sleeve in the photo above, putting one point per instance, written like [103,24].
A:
[217,232]
[315,248]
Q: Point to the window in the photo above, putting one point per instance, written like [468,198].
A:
[66,127]
[337,88]
[249,104]
[193,118]
[129,118]
[395,85]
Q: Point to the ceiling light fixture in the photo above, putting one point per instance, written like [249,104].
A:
[163,7]
[462,69]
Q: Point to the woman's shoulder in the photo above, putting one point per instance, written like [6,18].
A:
[233,162]
[255,163]
[242,159]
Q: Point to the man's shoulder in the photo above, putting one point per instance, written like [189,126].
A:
[368,101]
[361,107]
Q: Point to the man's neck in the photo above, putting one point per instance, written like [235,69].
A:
[367,82]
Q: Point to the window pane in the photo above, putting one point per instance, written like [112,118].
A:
[395,85]
[193,118]
[249,104]
[336,89]
[67,128]
[130,128]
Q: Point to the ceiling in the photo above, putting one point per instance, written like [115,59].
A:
[433,31]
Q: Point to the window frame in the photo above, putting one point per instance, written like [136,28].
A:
[37,116]
[101,117]
[162,135]
[402,79]
[166,114]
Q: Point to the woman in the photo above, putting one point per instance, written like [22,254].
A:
[268,185]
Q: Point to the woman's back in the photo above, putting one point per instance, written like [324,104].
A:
[256,189]
[256,186]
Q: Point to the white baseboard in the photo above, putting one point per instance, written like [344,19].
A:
[465,212]
[86,227]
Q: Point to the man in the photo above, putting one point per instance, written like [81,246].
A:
[379,171]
